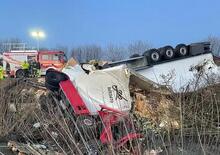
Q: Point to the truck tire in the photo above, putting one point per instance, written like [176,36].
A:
[53,78]
[154,55]
[20,73]
[182,50]
[168,52]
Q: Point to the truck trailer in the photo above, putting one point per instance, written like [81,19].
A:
[174,63]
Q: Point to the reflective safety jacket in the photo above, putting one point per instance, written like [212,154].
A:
[1,73]
[25,65]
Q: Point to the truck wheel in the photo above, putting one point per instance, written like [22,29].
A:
[154,55]
[168,52]
[52,88]
[181,50]
[20,73]
[53,78]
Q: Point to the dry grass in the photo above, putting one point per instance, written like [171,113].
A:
[197,114]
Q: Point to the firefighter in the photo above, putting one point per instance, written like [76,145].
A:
[38,69]
[1,73]
[1,69]
[35,66]
[25,67]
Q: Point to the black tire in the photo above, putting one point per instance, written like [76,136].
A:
[52,87]
[154,55]
[182,50]
[20,73]
[168,52]
[134,55]
[53,78]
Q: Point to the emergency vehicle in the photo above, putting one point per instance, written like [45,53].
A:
[12,60]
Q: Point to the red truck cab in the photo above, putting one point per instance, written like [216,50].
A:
[51,59]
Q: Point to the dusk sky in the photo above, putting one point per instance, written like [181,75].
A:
[77,22]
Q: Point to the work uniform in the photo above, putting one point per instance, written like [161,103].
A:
[25,66]
[36,68]
[1,73]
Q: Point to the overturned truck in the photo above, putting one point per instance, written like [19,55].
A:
[178,65]
[165,54]
[99,103]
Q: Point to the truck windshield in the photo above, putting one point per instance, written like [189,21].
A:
[55,57]
[62,57]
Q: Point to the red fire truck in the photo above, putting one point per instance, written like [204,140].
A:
[48,59]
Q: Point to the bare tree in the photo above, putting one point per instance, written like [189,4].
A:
[115,52]
[93,52]
[77,53]
[87,52]
[138,47]
[112,52]
[215,44]
[63,48]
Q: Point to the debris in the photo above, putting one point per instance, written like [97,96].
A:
[39,93]
[71,62]
[153,152]
[39,146]
[54,134]
[37,125]
[158,109]
[35,117]
[12,107]
[30,149]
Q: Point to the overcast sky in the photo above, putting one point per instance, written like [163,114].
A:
[77,22]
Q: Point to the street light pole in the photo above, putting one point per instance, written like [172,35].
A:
[38,35]
[38,44]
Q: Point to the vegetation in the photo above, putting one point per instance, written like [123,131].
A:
[183,123]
